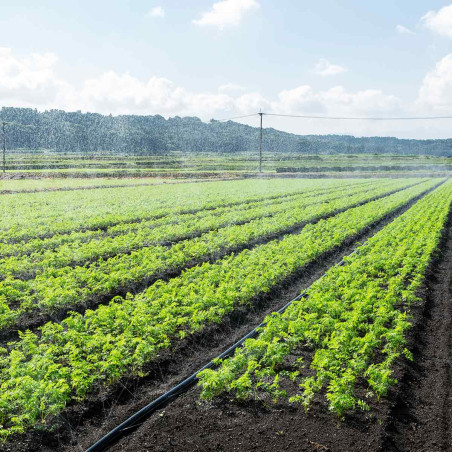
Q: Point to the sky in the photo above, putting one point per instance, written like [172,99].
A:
[226,58]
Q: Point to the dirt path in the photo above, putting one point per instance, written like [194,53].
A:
[422,416]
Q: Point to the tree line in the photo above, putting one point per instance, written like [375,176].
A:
[63,131]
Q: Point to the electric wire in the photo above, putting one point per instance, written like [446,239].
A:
[342,118]
[357,118]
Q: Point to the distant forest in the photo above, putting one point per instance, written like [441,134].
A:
[143,135]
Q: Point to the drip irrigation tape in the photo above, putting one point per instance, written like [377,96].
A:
[146,411]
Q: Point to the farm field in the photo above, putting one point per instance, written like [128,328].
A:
[10,186]
[111,296]
[51,164]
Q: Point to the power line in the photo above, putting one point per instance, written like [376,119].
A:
[357,118]
[344,118]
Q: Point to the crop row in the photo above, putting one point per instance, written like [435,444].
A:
[32,185]
[78,238]
[62,288]
[45,214]
[166,230]
[354,321]
[41,373]
[51,242]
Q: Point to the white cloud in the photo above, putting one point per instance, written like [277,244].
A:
[115,93]
[439,22]
[435,93]
[401,29]
[125,94]
[298,100]
[325,68]
[29,73]
[230,87]
[33,81]
[226,12]
[157,11]
[250,102]
[336,101]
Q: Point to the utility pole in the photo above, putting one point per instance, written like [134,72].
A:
[260,144]
[4,146]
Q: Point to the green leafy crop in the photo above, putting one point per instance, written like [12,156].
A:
[355,319]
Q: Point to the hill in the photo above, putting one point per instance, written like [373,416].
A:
[142,135]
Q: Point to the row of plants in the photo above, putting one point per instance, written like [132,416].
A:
[41,372]
[30,185]
[352,324]
[79,237]
[61,288]
[37,245]
[26,216]
[130,237]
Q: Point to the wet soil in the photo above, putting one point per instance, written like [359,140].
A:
[421,419]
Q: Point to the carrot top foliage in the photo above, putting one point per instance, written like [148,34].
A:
[356,312]
[43,371]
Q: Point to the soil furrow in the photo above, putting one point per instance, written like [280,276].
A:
[421,418]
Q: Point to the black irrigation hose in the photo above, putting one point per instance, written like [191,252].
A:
[134,420]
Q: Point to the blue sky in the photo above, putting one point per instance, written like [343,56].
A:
[230,57]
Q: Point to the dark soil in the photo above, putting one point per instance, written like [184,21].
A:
[83,424]
[421,419]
